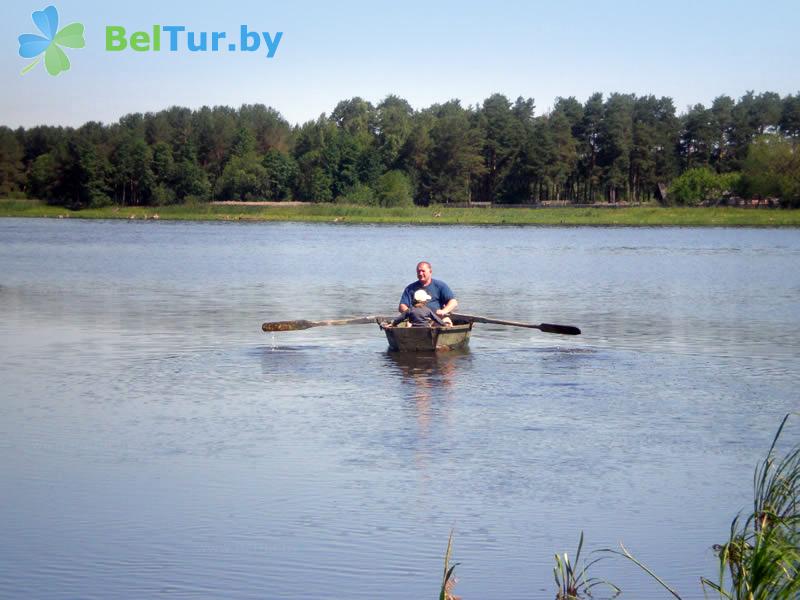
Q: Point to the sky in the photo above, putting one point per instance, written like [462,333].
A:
[424,51]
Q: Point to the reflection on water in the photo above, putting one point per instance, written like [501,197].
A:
[429,381]
[153,440]
[429,369]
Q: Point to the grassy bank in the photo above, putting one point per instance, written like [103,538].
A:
[633,216]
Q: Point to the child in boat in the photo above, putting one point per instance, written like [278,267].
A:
[420,315]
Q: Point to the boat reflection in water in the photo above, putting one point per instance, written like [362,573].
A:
[428,372]
[430,388]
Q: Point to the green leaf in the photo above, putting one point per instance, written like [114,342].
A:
[71,36]
[55,60]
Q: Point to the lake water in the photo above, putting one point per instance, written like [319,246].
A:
[155,443]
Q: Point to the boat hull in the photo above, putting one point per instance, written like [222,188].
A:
[428,339]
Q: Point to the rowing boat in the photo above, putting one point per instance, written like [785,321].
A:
[421,339]
[428,339]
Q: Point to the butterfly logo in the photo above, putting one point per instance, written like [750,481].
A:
[49,43]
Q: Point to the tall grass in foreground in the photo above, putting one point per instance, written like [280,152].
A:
[448,580]
[759,561]
[572,578]
[762,555]
[761,558]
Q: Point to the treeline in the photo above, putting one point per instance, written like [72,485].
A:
[605,149]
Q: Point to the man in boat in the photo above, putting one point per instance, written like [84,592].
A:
[420,315]
[443,300]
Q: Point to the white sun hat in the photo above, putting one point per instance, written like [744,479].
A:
[421,296]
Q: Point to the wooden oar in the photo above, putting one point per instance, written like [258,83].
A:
[303,324]
[545,327]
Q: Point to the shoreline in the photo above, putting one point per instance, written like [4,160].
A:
[639,216]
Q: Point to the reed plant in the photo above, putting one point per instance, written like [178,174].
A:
[759,561]
[761,558]
[448,579]
[572,576]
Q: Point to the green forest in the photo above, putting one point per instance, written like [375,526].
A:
[618,148]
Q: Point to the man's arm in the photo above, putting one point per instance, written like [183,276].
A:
[405,299]
[447,308]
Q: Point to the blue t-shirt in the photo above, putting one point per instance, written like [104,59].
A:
[439,291]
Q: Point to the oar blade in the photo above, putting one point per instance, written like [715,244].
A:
[562,329]
[287,325]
